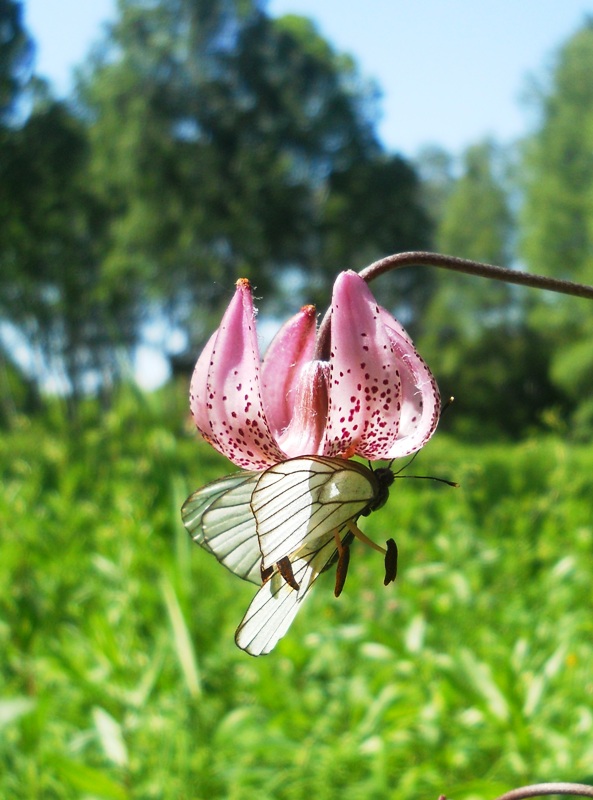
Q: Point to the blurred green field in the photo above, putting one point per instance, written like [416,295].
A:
[119,674]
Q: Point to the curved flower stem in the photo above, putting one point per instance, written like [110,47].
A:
[426,259]
[542,789]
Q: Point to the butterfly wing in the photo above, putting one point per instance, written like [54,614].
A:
[275,606]
[306,499]
[290,510]
[219,518]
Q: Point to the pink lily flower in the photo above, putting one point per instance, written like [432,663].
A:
[375,397]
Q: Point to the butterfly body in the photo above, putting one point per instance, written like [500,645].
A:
[281,528]
[384,477]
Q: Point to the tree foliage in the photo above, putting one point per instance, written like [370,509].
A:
[477,334]
[557,223]
[52,287]
[558,166]
[207,141]
[229,143]
[16,57]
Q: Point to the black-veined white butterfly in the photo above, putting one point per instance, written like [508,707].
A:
[281,528]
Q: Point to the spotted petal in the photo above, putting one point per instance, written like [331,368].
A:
[365,382]
[420,400]
[384,402]
[225,392]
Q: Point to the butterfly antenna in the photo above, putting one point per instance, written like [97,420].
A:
[454,484]
[447,404]
[405,466]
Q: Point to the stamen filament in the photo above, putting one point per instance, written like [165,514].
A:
[355,530]
[339,545]
[343,561]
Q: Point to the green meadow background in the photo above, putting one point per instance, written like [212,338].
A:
[120,678]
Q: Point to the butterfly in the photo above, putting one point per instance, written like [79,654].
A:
[281,528]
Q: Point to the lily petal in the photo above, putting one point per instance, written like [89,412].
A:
[197,390]
[291,348]
[420,402]
[225,392]
[384,401]
[365,383]
[304,435]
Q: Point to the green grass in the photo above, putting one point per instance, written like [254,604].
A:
[120,678]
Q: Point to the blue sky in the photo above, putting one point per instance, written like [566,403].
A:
[451,71]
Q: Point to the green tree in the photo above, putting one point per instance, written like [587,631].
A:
[225,143]
[374,208]
[476,222]
[476,333]
[435,167]
[557,221]
[208,141]
[16,57]
[53,291]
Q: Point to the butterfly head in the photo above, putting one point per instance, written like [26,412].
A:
[384,477]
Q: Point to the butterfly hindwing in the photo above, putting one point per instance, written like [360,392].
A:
[306,499]
[275,606]
[220,519]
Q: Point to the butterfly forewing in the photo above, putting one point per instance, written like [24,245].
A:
[220,519]
[275,606]
[305,499]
